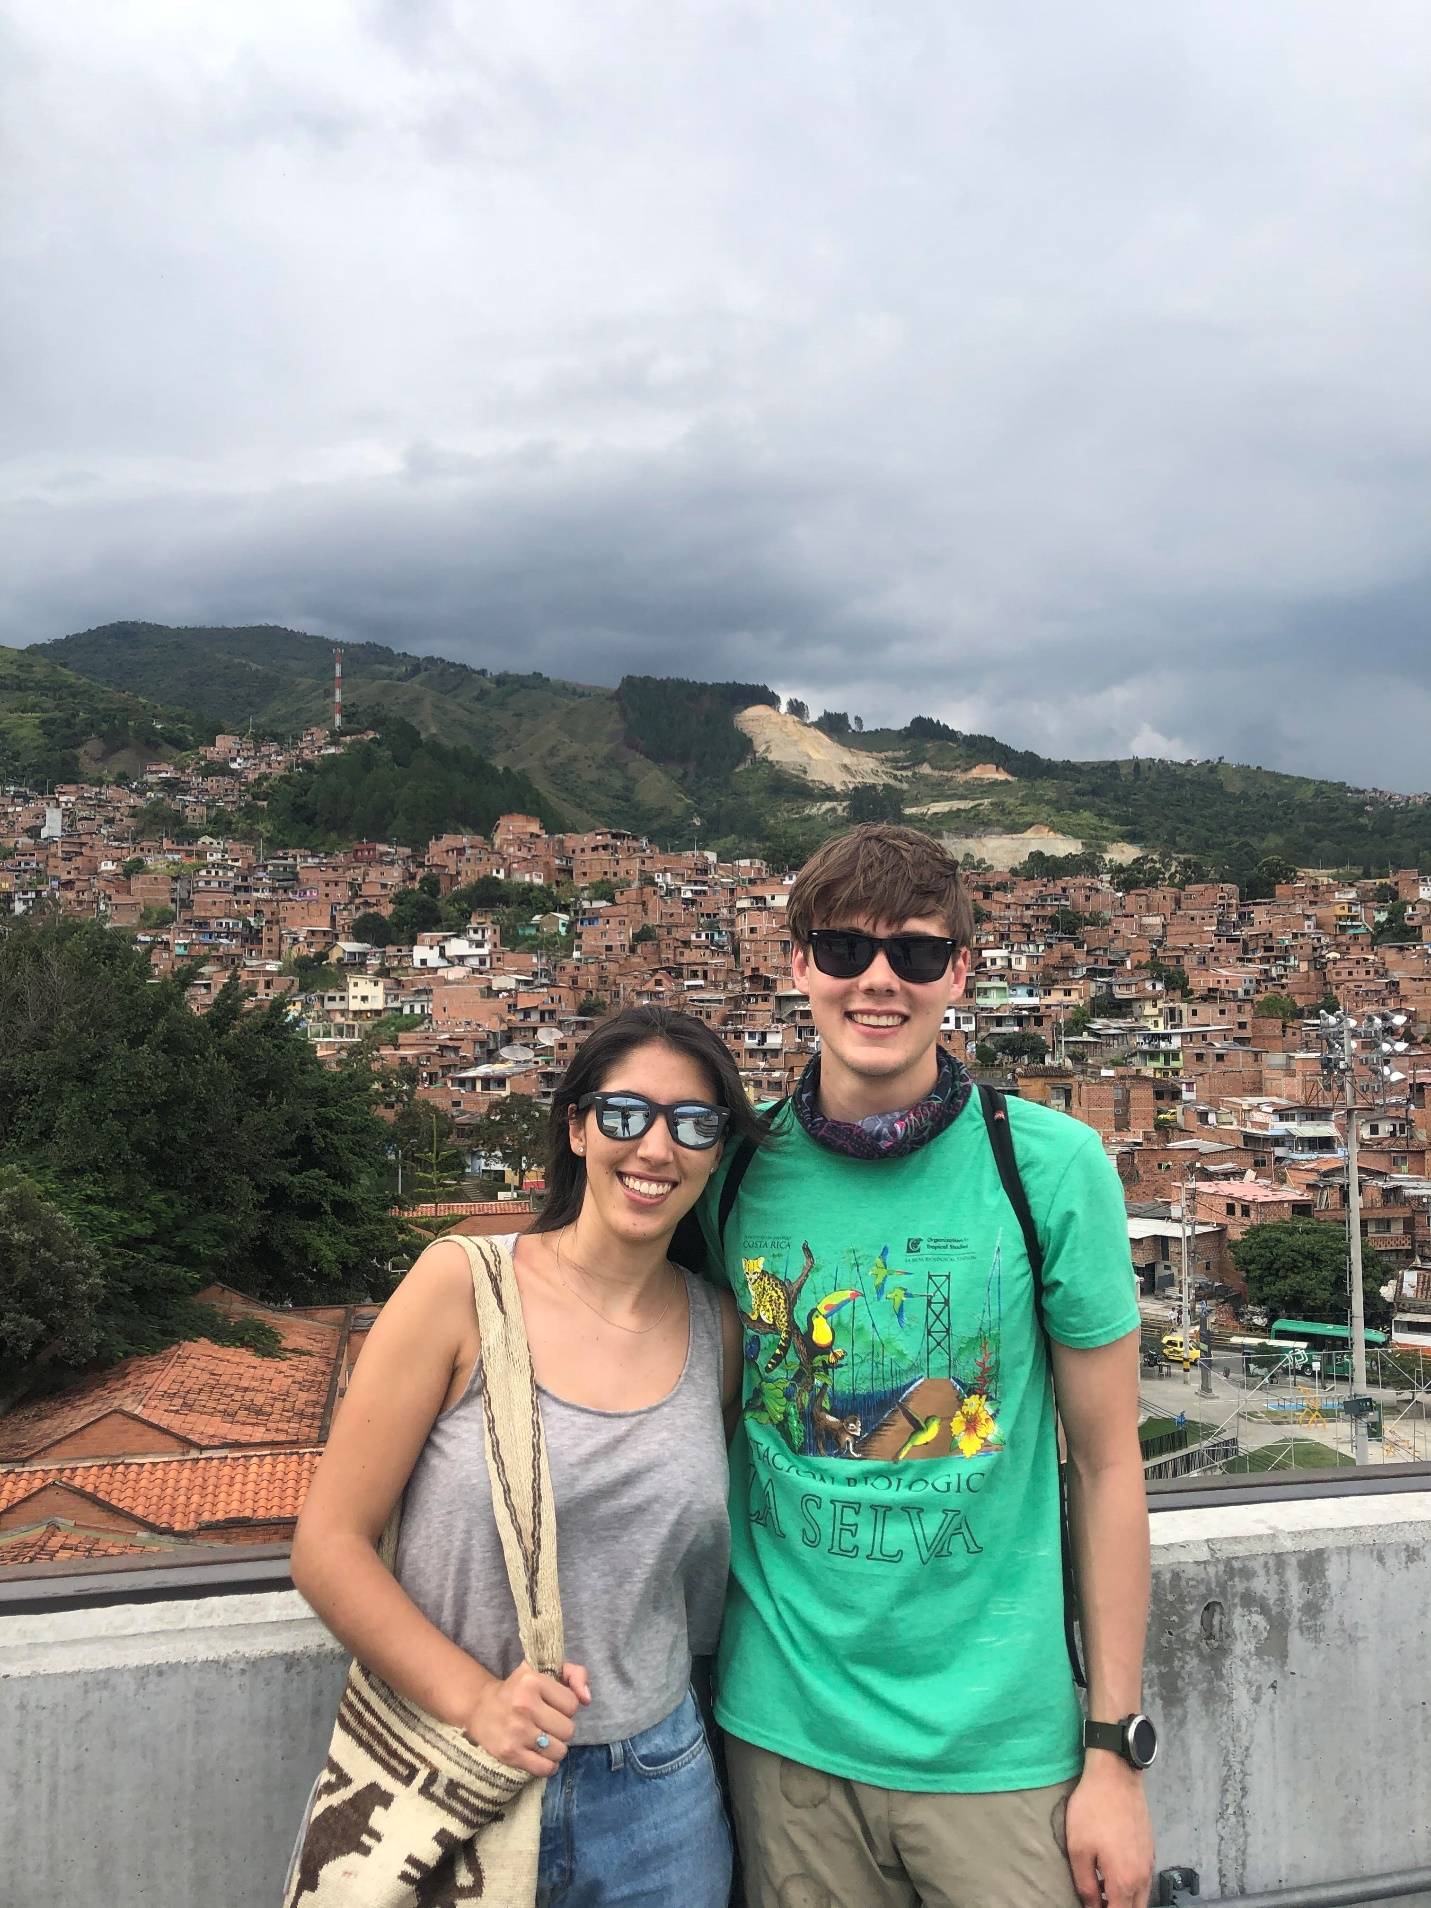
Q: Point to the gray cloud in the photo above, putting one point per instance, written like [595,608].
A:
[1060,374]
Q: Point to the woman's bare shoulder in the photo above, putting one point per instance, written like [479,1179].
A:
[436,1292]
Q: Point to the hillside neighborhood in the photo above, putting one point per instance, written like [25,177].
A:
[1180,1023]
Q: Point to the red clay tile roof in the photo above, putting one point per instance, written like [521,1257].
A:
[59,1542]
[205,1393]
[181,1494]
[462,1208]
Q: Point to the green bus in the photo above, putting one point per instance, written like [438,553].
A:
[1330,1345]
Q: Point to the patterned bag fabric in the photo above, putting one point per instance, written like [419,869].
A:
[408,1812]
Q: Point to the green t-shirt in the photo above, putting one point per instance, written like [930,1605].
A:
[896,1603]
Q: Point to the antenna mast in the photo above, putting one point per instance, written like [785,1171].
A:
[337,692]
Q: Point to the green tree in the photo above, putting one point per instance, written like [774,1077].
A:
[1029,1047]
[136,864]
[985,1055]
[875,802]
[186,1148]
[1271,872]
[592,1005]
[312,972]
[1329,1004]
[413,913]
[432,1167]
[1393,926]
[1078,1020]
[644,934]
[374,928]
[1174,979]
[795,707]
[1275,1006]
[50,1286]
[513,1130]
[1297,1268]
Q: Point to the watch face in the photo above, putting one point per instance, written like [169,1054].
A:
[1142,1742]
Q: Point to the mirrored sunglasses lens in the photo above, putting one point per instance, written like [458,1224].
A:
[699,1126]
[623,1119]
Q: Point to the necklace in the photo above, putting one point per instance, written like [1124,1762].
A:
[636,1331]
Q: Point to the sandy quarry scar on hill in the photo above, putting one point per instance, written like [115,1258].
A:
[808,751]
[1007,851]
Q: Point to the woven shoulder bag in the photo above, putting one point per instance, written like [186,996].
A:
[409,1812]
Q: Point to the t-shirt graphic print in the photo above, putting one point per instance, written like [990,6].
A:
[875,1367]
[896,1604]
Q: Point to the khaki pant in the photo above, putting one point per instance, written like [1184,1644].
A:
[812,1840]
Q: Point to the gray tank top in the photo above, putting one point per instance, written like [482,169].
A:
[643,1538]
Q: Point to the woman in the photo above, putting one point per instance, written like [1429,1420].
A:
[634,1360]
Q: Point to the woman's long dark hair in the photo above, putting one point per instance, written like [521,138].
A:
[591,1067]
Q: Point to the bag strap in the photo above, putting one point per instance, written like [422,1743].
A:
[522,1501]
[995,1108]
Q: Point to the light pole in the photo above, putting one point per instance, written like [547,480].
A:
[1188,1229]
[1339,1060]
[1360,1450]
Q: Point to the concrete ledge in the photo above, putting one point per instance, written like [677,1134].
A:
[158,1755]
[197,1630]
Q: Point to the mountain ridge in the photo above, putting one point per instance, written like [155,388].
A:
[666,756]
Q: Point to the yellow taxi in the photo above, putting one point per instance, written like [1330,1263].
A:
[1173,1349]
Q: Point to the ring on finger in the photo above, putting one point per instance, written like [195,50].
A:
[544,1741]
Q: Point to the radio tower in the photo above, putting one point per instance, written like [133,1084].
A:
[337,691]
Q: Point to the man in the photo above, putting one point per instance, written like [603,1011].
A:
[901,1719]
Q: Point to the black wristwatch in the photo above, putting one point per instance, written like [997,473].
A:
[1134,1739]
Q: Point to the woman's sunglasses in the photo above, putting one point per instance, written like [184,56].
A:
[626,1116]
[920,958]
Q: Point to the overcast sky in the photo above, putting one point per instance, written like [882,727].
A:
[1060,371]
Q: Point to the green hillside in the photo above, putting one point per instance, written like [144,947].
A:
[398,788]
[661,756]
[56,726]
[567,737]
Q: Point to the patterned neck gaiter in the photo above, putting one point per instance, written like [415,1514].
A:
[884,1135]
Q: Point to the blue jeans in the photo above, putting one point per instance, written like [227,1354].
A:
[637,1824]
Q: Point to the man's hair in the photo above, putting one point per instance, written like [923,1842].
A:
[879,872]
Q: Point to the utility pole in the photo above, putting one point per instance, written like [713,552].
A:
[1358,1316]
[1186,1282]
[1340,1058]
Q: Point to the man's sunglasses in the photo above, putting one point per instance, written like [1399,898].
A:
[843,954]
[626,1116]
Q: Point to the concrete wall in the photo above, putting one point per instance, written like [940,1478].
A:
[160,1754]
[1289,1669]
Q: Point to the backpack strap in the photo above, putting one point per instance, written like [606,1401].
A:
[995,1108]
[688,1245]
[739,1167]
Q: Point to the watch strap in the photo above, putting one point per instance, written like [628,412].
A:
[1101,1735]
